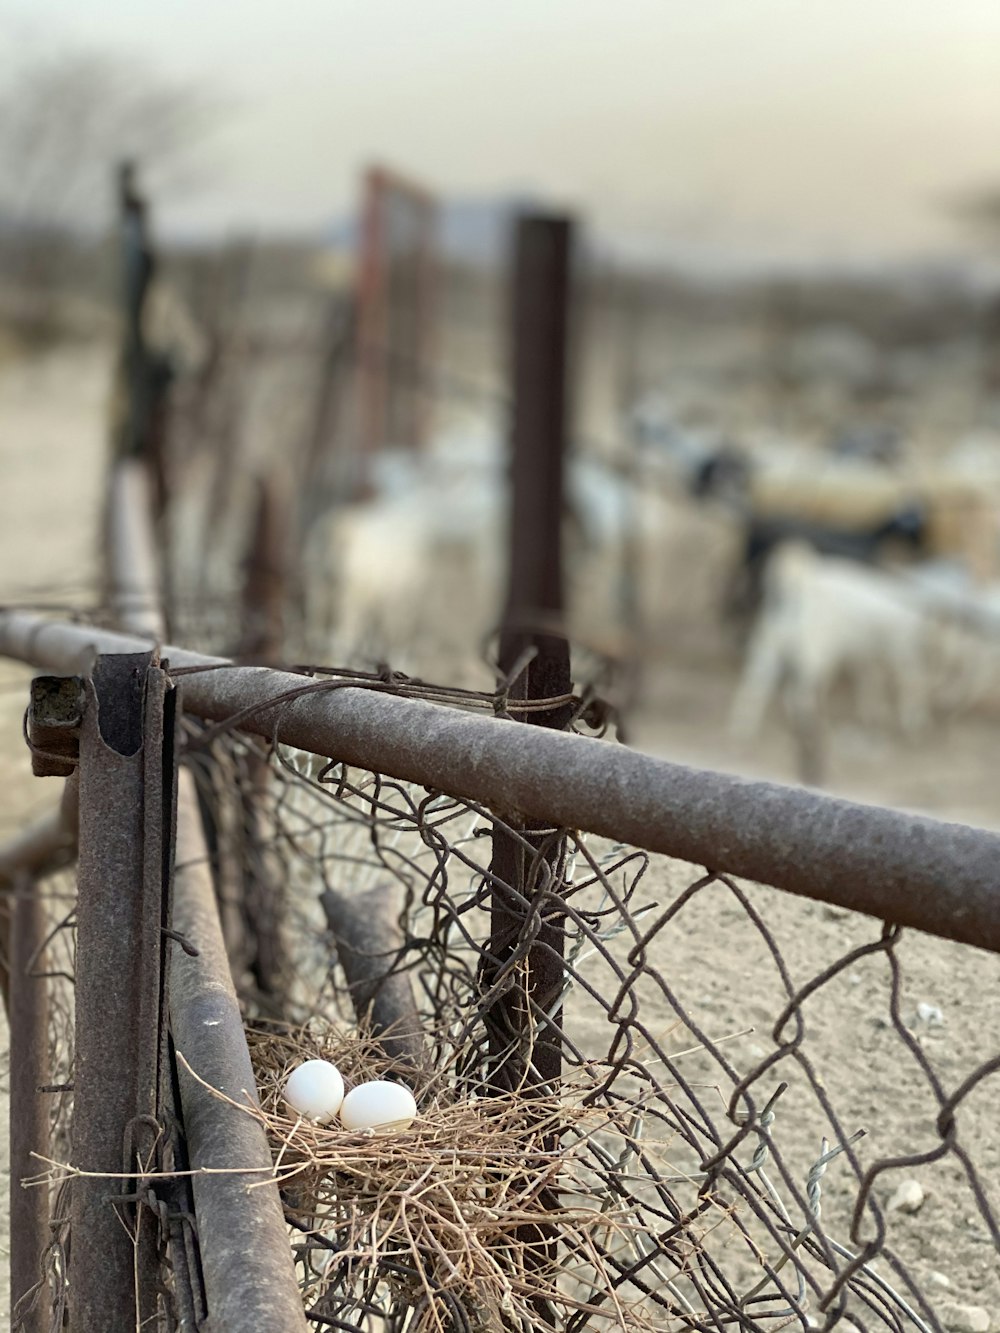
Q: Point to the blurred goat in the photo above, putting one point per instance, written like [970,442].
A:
[702,460]
[905,528]
[823,618]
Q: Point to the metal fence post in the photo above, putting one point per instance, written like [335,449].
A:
[126,803]
[540,356]
[524,1023]
[522,866]
[261,884]
[394,308]
[267,569]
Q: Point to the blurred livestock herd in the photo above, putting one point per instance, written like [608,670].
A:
[861,575]
[851,578]
[856,579]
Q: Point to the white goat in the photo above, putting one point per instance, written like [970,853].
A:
[432,531]
[823,618]
[434,537]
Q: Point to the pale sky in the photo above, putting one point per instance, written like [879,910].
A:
[834,128]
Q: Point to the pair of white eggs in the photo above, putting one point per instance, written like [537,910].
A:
[315,1090]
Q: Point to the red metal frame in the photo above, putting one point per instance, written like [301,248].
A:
[387,362]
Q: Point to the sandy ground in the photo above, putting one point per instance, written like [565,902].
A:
[51,458]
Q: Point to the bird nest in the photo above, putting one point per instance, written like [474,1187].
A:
[489,1212]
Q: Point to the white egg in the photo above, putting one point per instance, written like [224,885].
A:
[380,1106]
[315,1090]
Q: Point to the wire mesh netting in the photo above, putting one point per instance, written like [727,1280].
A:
[769,1113]
[52,965]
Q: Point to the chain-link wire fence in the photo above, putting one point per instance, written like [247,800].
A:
[770,1113]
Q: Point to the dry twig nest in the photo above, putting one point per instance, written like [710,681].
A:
[448,1225]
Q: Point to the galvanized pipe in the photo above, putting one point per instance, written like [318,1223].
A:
[246,1257]
[920,872]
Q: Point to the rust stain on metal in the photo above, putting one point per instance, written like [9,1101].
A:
[55,712]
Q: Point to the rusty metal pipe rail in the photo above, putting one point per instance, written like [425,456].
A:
[937,877]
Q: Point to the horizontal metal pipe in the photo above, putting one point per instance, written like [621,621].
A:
[921,872]
[112,1267]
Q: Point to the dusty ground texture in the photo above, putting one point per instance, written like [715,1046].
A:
[712,958]
[718,970]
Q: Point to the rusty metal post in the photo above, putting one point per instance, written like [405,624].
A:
[266,574]
[393,289]
[370,329]
[29,1114]
[630,601]
[540,371]
[524,1024]
[422,400]
[145,371]
[126,799]
[536,658]
[324,464]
